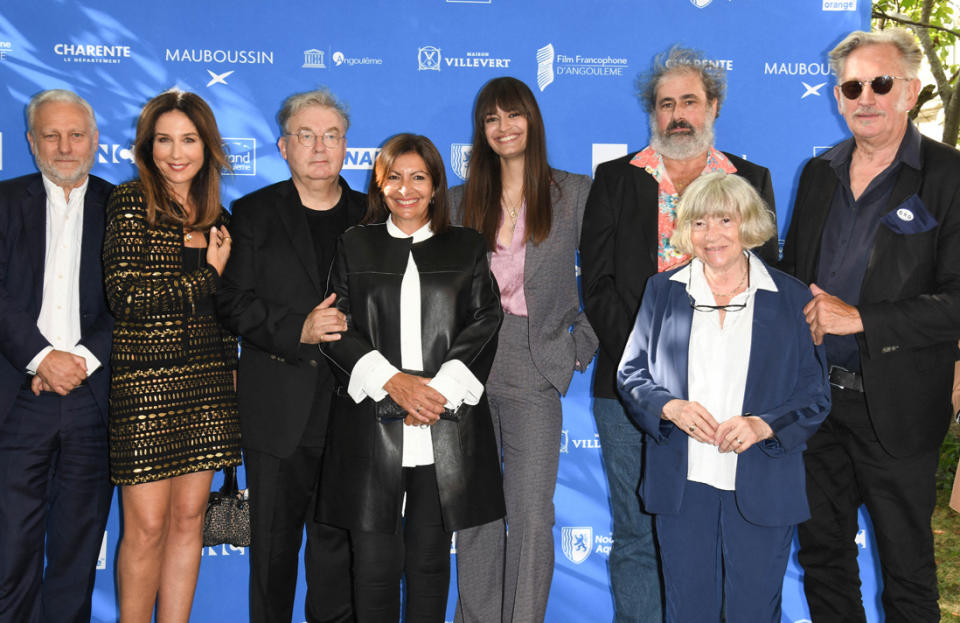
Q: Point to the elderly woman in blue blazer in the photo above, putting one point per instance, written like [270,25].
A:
[722,375]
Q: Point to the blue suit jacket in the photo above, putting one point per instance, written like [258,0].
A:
[786,386]
[22,251]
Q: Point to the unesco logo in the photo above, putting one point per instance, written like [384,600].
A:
[242,154]
[313,59]
[428,58]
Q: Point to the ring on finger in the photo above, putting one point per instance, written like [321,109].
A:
[419,408]
[691,428]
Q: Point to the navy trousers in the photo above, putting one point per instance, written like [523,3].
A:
[717,566]
[55,491]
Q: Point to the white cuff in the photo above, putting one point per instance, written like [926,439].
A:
[35,362]
[457,384]
[368,377]
[93,364]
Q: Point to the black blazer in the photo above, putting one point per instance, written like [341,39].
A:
[271,282]
[23,242]
[460,306]
[909,299]
[618,252]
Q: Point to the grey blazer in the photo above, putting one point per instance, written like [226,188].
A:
[550,284]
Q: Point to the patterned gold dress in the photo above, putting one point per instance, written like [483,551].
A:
[173,409]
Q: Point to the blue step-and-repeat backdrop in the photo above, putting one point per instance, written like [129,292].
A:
[417,65]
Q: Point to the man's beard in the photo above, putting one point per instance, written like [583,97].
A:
[681,146]
[50,171]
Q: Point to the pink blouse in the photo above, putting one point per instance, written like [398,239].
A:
[507,266]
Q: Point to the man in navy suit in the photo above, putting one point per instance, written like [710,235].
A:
[55,333]
[876,233]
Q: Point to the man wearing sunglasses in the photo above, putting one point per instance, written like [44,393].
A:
[876,233]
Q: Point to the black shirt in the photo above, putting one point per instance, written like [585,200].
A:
[325,228]
[849,231]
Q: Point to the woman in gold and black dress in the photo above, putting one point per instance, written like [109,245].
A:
[173,414]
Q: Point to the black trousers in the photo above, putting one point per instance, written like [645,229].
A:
[419,552]
[55,494]
[847,467]
[282,504]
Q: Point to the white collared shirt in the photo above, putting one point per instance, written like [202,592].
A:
[59,319]
[718,359]
[454,380]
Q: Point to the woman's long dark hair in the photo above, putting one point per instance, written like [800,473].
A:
[481,197]
[205,186]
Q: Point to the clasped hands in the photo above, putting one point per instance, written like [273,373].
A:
[736,434]
[59,372]
[423,403]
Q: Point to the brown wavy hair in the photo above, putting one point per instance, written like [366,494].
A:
[481,196]
[205,186]
[396,146]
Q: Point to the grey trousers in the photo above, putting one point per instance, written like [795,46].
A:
[505,574]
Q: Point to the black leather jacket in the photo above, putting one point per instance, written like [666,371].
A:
[361,486]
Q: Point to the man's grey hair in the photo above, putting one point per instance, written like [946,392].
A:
[57,95]
[676,60]
[318,97]
[906,43]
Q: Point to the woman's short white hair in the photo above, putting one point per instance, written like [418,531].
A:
[718,194]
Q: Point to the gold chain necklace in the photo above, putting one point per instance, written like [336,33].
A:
[512,211]
[743,280]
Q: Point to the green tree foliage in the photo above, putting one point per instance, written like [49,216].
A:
[934,22]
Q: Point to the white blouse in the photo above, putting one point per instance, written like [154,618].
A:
[718,358]
[454,380]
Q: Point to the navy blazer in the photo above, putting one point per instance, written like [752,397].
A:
[23,239]
[618,252]
[786,386]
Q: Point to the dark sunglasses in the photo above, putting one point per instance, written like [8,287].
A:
[881,85]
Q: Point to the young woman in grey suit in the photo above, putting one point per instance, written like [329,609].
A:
[530,216]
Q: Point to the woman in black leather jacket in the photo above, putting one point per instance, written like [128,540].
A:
[411,454]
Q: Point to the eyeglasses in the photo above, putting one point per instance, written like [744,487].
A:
[732,307]
[308,138]
[881,85]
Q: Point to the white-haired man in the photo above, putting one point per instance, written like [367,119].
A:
[876,233]
[55,335]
